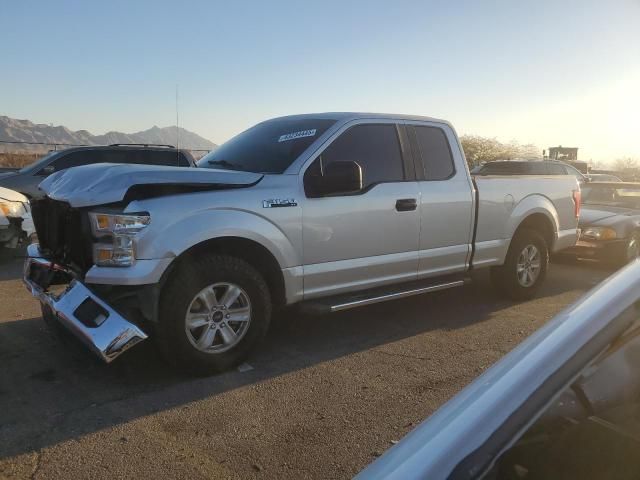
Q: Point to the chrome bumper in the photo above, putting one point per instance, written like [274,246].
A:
[95,323]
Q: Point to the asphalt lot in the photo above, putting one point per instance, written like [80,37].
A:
[321,398]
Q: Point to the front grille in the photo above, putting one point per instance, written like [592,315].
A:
[63,233]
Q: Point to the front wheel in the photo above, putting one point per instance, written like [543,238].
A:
[525,266]
[213,311]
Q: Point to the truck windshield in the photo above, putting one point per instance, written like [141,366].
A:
[269,147]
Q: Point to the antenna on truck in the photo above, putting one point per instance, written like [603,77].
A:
[177,129]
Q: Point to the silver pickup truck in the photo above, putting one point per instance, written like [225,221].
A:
[328,212]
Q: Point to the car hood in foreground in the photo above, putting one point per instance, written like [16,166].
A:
[12,195]
[104,183]
[463,438]
[8,173]
[597,213]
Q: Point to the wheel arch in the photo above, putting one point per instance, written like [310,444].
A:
[538,213]
[254,253]
[538,222]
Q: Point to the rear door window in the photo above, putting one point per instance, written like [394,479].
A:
[433,149]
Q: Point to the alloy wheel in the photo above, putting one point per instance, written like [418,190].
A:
[528,266]
[218,317]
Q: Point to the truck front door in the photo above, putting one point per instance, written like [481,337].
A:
[370,237]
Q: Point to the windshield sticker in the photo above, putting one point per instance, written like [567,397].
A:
[296,135]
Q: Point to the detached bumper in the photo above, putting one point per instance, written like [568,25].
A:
[103,330]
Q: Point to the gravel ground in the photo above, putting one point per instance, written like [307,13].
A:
[322,397]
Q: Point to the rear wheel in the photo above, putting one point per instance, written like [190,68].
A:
[525,266]
[213,311]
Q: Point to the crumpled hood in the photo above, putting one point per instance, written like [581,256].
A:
[12,195]
[103,183]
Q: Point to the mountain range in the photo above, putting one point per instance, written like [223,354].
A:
[14,130]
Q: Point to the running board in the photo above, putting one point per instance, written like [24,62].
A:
[369,297]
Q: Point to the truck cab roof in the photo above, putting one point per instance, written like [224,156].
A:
[344,117]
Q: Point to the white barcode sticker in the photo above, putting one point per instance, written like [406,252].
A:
[296,135]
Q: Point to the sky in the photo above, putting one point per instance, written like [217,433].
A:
[543,72]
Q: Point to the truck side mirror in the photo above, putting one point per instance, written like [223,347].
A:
[338,178]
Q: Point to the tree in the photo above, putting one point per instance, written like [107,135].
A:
[625,163]
[479,149]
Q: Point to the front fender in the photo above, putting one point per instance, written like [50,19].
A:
[531,205]
[173,238]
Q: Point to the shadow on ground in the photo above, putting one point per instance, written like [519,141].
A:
[11,261]
[43,379]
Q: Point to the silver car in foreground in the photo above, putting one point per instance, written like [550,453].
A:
[16,225]
[327,212]
[564,404]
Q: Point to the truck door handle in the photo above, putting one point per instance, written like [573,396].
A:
[406,204]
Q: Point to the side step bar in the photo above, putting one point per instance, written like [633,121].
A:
[369,297]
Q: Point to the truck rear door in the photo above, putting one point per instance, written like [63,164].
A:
[446,200]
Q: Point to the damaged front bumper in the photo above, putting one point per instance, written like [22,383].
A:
[103,330]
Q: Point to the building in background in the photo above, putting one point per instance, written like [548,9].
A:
[568,155]
[563,153]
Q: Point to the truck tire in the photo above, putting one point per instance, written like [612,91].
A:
[525,266]
[213,310]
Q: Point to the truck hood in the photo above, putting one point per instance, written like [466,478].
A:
[103,183]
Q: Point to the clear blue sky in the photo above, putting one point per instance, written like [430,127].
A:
[545,72]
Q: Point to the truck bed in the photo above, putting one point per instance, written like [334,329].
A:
[503,200]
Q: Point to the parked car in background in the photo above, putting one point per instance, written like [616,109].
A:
[602,177]
[27,179]
[322,211]
[562,405]
[609,223]
[529,167]
[16,225]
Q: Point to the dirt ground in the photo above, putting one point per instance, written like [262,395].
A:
[322,397]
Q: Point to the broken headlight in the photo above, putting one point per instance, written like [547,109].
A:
[12,209]
[115,234]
